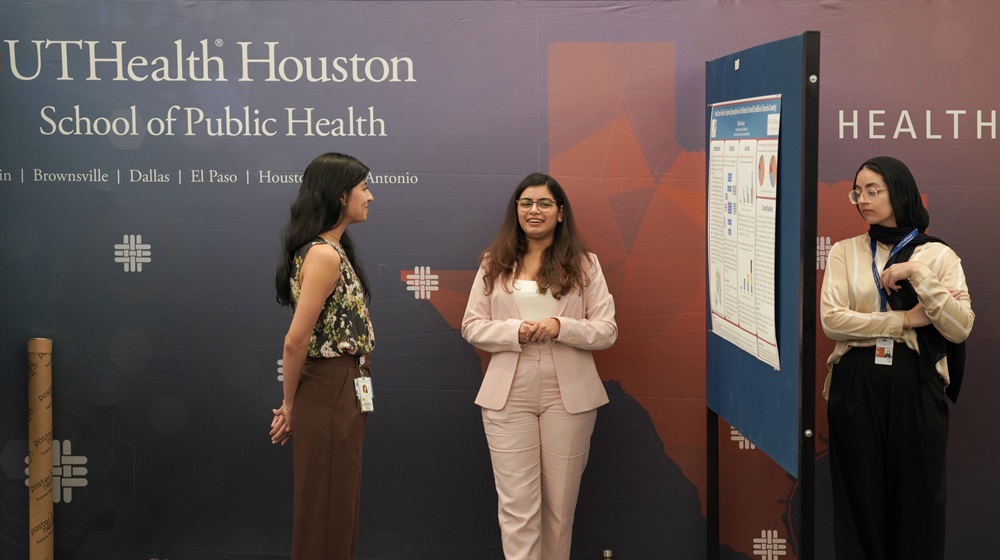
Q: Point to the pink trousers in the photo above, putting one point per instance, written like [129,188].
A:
[539,453]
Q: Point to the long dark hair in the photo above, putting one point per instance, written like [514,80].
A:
[907,206]
[326,183]
[562,269]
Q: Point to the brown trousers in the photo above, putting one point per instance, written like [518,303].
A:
[328,429]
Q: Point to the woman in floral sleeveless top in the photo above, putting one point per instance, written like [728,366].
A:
[326,348]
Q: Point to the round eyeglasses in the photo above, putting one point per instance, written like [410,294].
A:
[544,204]
[868,194]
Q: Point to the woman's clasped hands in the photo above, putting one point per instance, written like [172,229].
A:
[538,331]
[281,424]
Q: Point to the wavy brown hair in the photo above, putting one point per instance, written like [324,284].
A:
[562,269]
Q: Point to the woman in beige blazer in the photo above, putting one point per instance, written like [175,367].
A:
[539,305]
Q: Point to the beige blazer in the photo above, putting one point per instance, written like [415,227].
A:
[586,322]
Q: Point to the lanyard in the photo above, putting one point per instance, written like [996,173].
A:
[878,282]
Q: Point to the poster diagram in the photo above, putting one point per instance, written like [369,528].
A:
[743,212]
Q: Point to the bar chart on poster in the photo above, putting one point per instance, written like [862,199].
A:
[743,204]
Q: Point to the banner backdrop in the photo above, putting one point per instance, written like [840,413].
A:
[150,151]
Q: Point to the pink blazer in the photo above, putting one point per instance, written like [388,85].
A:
[586,322]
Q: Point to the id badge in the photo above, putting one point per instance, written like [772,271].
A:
[883,351]
[363,388]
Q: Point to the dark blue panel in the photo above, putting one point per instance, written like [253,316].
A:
[763,404]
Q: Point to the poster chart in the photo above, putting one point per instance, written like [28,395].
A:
[743,210]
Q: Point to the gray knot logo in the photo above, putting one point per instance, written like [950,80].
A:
[132,253]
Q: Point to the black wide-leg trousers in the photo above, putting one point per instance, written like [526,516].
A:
[888,437]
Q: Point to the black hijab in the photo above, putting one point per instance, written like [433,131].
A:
[910,214]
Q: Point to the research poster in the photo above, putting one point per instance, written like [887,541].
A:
[743,210]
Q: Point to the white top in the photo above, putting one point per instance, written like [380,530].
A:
[531,305]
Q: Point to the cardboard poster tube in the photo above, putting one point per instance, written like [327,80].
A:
[41,537]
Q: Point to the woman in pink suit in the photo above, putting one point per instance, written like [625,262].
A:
[539,305]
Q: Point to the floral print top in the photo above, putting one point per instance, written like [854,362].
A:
[344,326]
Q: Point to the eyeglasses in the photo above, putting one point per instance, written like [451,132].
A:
[544,204]
[869,194]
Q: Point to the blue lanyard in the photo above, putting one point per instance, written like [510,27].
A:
[878,282]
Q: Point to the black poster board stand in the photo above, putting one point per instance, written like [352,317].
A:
[774,409]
